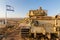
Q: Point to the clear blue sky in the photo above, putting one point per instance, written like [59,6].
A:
[22,7]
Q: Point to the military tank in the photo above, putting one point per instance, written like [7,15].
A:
[34,29]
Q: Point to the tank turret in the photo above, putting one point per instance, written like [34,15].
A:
[38,12]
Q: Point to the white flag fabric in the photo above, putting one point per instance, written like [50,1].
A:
[9,8]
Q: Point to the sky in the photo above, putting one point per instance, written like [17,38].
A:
[22,7]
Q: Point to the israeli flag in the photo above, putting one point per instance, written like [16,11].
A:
[9,8]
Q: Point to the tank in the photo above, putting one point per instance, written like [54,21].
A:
[35,29]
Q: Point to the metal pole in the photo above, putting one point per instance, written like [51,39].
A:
[5,22]
[6,17]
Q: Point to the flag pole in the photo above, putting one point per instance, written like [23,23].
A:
[5,21]
[6,17]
